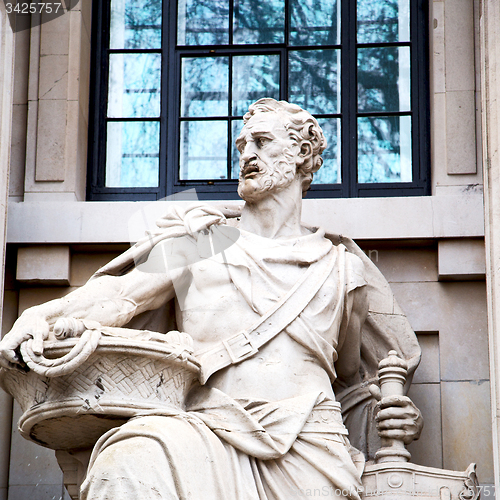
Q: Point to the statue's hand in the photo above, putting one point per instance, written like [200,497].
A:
[398,418]
[28,326]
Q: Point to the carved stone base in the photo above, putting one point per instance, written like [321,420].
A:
[387,481]
[401,481]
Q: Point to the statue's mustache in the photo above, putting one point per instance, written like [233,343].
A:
[252,166]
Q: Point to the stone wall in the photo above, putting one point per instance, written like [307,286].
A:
[6,91]
[490,72]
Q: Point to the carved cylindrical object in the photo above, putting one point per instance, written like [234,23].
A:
[392,377]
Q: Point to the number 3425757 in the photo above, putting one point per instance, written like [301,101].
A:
[33,7]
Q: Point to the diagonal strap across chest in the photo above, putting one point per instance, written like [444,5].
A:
[245,344]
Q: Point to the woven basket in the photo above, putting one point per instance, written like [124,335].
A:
[121,379]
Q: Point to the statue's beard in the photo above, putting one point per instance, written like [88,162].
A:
[274,177]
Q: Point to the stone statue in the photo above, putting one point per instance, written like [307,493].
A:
[285,323]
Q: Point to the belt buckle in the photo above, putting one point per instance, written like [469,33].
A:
[248,342]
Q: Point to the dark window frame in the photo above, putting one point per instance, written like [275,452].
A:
[226,189]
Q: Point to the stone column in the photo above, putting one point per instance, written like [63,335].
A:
[6,80]
[58,94]
[490,86]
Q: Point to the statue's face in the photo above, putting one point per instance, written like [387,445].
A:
[267,157]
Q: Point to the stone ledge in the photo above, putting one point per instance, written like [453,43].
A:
[461,259]
[44,264]
[455,216]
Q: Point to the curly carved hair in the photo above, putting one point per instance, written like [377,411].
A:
[301,125]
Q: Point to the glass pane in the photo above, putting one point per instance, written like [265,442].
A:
[383,21]
[134,85]
[254,77]
[257,21]
[202,22]
[384,149]
[315,22]
[203,150]
[132,154]
[205,84]
[330,172]
[135,25]
[384,79]
[314,80]
[235,154]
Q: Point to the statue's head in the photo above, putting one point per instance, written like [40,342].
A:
[279,141]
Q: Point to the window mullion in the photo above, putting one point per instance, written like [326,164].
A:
[349,98]
[105,8]
[229,121]
[171,90]
[231,21]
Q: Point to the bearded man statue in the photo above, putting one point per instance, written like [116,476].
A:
[279,320]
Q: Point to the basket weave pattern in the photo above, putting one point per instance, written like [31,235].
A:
[114,384]
[115,376]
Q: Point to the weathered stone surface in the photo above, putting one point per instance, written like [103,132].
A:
[48,264]
[32,466]
[462,403]
[428,449]
[428,369]
[490,97]
[461,259]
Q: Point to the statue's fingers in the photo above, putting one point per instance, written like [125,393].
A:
[394,401]
[393,412]
[393,434]
[375,391]
[40,333]
[394,423]
[43,328]
[37,344]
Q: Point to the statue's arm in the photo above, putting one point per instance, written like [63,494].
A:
[110,300]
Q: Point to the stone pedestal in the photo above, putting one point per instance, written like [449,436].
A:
[401,481]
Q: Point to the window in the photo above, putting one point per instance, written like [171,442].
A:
[173,80]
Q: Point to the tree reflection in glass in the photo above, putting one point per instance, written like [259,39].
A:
[237,125]
[330,172]
[314,22]
[205,86]
[257,21]
[383,21]
[134,85]
[384,149]
[203,152]
[216,89]
[254,77]
[384,79]
[135,25]
[202,22]
[314,80]
[132,156]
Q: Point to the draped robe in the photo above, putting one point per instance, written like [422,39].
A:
[222,448]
